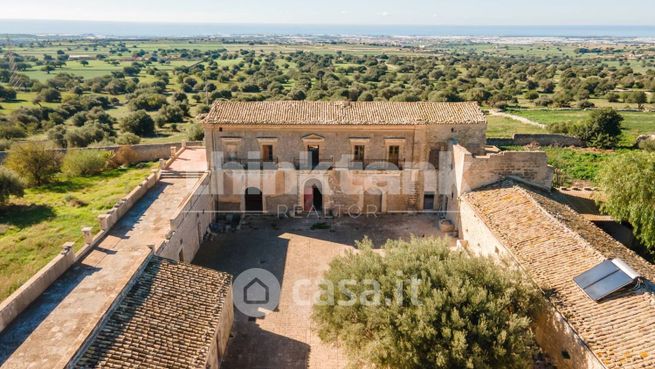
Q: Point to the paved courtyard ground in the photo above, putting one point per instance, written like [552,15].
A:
[292,251]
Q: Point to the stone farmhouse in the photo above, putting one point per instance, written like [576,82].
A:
[128,299]
[336,157]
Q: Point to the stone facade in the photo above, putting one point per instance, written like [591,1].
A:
[381,167]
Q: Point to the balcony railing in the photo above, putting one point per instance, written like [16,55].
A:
[375,164]
[250,164]
[304,164]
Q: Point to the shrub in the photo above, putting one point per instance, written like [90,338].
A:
[602,129]
[140,123]
[10,184]
[9,130]
[125,155]
[84,136]
[146,101]
[85,162]
[648,145]
[195,132]
[7,93]
[128,138]
[561,127]
[202,109]
[172,113]
[49,95]
[490,317]
[57,134]
[5,144]
[585,104]
[35,162]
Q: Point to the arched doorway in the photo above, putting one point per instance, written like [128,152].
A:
[253,199]
[313,196]
[372,201]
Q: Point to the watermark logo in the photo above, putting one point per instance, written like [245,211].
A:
[256,292]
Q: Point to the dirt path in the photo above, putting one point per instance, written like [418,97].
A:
[516,118]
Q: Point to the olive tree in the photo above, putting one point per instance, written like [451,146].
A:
[35,162]
[602,129]
[434,308]
[140,123]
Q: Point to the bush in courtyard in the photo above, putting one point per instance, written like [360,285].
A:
[85,162]
[627,183]
[10,184]
[125,155]
[35,162]
[140,123]
[195,132]
[128,138]
[464,312]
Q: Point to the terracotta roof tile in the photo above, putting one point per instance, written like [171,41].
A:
[167,319]
[553,244]
[343,113]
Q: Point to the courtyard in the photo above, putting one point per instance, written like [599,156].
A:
[294,250]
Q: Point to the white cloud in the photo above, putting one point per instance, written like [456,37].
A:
[384,14]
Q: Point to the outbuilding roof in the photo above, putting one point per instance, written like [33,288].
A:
[168,319]
[343,113]
[553,244]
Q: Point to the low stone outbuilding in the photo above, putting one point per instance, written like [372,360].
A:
[175,315]
[552,244]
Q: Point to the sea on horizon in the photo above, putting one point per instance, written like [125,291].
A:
[146,29]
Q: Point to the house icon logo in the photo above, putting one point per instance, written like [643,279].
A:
[256,292]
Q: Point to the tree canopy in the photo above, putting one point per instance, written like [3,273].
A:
[627,180]
[602,129]
[463,312]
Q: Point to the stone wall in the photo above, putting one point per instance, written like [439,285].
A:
[191,222]
[13,305]
[290,143]
[219,343]
[112,216]
[471,136]
[144,152]
[554,139]
[342,190]
[474,171]
[552,332]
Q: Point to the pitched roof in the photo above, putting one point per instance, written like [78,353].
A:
[553,244]
[343,113]
[167,319]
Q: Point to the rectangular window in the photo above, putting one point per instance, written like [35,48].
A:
[358,153]
[267,153]
[231,151]
[393,154]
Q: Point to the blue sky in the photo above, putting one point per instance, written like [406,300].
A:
[435,12]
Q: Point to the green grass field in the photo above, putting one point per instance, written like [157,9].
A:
[501,127]
[635,123]
[33,228]
[579,165]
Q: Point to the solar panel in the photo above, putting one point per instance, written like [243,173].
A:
[606,278]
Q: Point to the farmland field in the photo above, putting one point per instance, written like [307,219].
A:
[33,228]
[634,124]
